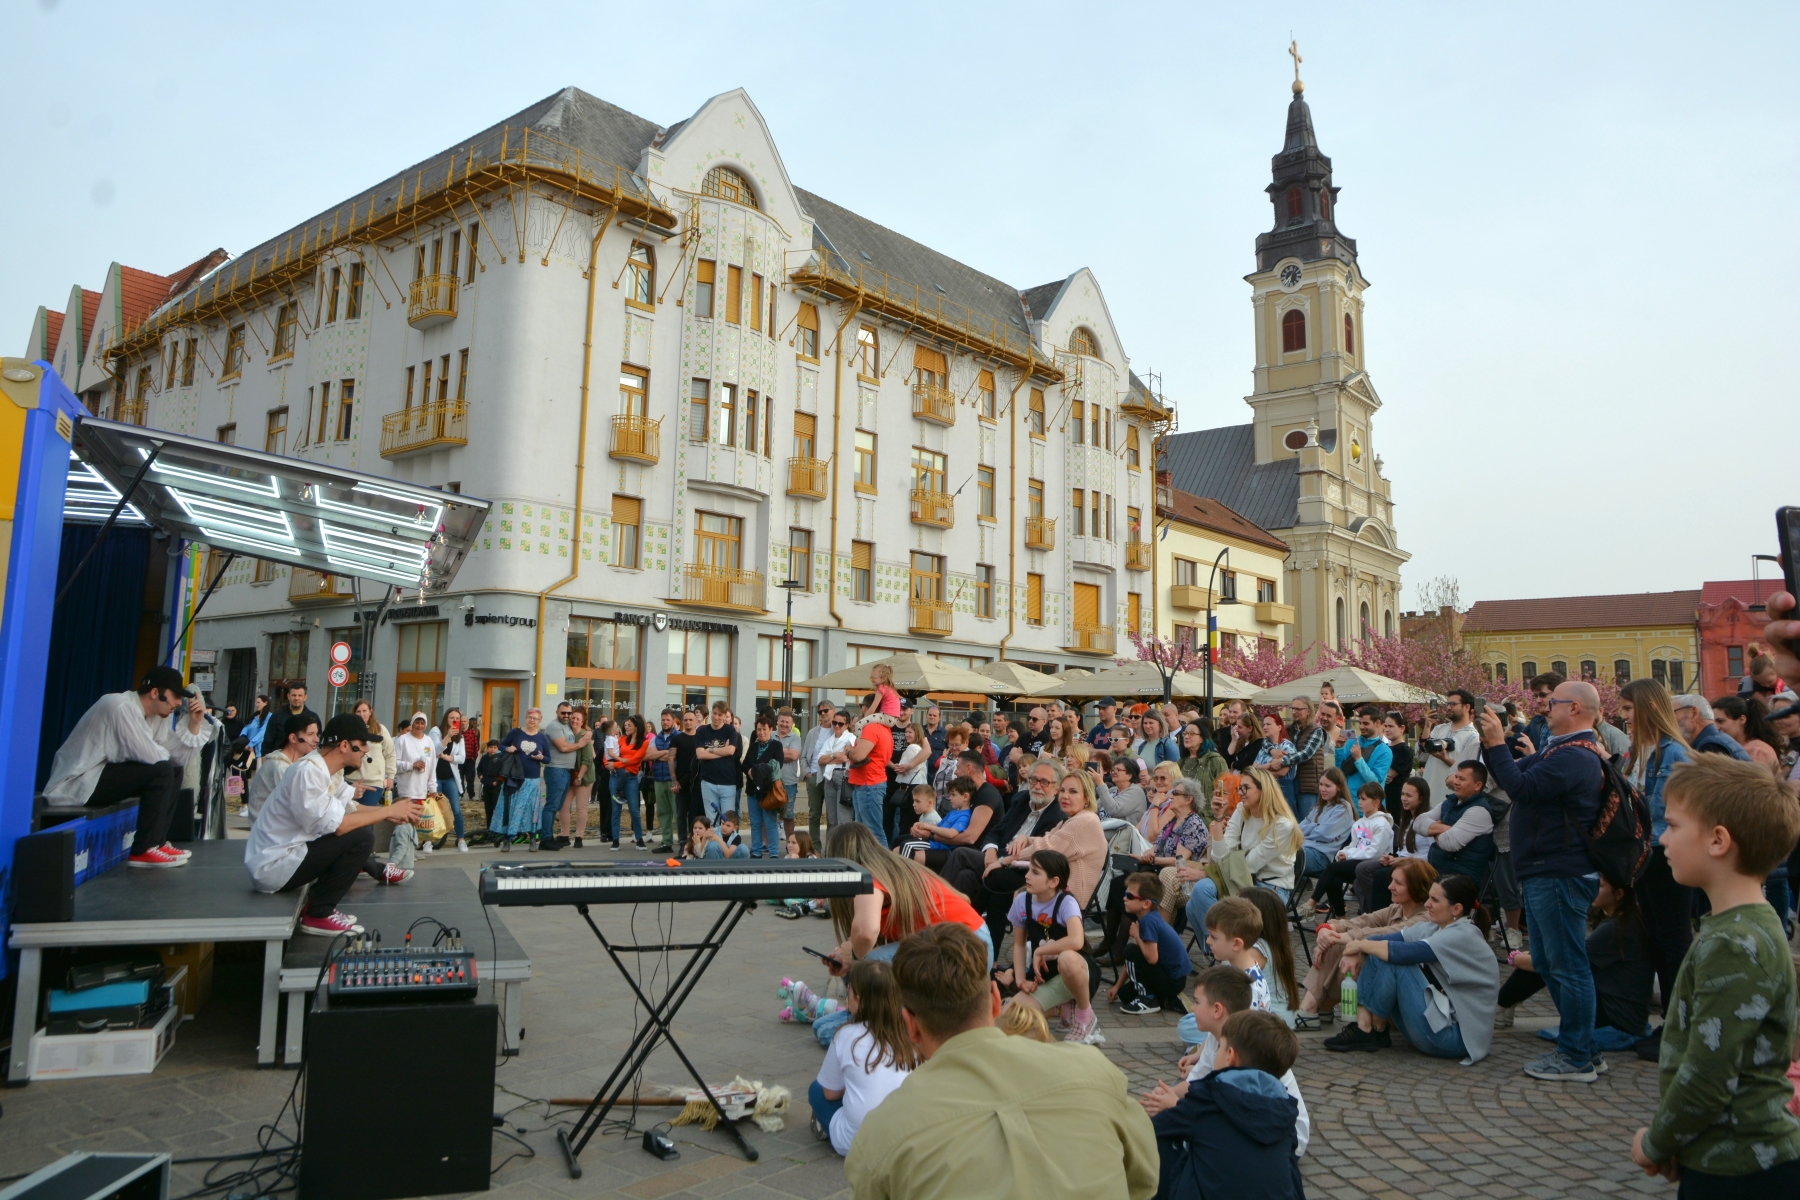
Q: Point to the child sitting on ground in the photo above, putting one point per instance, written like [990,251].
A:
[1051,966]
[1019,1019]
[1156,962]
[1219,992]
[799,845]
[1231,939]
[1240,1115]
[1730,1027]
[870,1056]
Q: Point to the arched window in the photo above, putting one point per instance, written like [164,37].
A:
[1082,342]
[1500,672]
[1621,671]
[1590,670]
[1366,630]
[1325,203]
[1296,204]
[1340,623]
[1293,331]
[642,269]
[1387,630]
[727,184]
[1349,334]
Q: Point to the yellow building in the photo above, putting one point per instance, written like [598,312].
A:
[1617,638]
[1247,590]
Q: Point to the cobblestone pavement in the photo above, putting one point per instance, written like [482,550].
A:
[1388,1125]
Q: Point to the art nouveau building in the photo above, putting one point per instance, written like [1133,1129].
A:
[682,381]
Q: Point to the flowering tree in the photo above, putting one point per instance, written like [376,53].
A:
[1169,658]
[1266,666]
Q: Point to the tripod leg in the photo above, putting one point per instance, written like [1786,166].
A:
[562,1139]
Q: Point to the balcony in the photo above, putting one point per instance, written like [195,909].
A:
[1270,613]
[1092,639]
[310,587]
[1188,595]
[721,587]
[431,300]
[933,508]
[806,477]
[132,412]
[636,439]
[425,427]
[1137,556]
[934,617]
[1040,533]
[934,402]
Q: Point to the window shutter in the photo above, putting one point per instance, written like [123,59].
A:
[862,555]
[626,510]
[987,381]
[930,360]
[808,318]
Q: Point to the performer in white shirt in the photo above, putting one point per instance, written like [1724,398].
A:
[312,830]
[129,744]
[301,736]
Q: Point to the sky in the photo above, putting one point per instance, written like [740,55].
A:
[1573,218]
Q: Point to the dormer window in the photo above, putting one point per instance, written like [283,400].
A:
[727,184]
[1293,331]
[1082,342]
[1296,204]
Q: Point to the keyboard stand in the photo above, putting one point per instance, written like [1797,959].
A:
[573,1141]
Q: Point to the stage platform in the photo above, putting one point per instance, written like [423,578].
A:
[209,900]
[451,897]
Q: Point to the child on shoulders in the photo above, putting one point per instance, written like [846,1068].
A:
[885,701]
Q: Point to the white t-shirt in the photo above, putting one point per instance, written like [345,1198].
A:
[408,783]
[1302,1122]
[832,745]
[308,803]
[844,1070]
[1468,746]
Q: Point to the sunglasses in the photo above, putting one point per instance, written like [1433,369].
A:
[1133,896]
[840,724]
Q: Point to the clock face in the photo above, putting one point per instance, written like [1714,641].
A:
[1290,276]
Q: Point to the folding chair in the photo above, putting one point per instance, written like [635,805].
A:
[1293,907]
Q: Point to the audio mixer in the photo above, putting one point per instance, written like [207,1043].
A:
[376,976]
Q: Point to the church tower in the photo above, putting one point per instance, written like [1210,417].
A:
[1315,404]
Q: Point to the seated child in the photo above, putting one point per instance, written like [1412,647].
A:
[1156,962]
[1018,1019]
[957,818]
[1231,937]
[1240,1114]
[707,842]
[1220,992]
[870,1056]
[1051,965]
[799,845]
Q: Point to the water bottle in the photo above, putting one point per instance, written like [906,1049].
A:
[1347,998]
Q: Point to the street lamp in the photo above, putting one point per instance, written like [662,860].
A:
[787,644]
[1212,625]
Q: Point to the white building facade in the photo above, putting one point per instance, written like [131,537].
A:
[681,381]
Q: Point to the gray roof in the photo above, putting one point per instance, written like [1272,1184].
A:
[1039,299]
[1220,464]
[860,242]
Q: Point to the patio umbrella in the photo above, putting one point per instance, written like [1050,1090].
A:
[1028,681]
[1352,685]
[1142,680]
[914,674]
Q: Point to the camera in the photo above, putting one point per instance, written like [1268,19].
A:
[1434,745]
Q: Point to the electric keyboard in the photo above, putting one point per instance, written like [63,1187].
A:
[538,884]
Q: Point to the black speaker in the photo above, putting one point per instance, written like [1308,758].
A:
[44,877]
[349,1056]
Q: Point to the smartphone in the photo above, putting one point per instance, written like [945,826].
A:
[829,960]
[1787,528]
[1480,706]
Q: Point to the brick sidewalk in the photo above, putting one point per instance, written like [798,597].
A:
[1389,1125]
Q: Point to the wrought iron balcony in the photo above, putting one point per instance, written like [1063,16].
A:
[933,508]
[807,477]
[1092,639]
[935,617]
[934,402]
[425,427]
[1040,533]
[431,300]
[1137,556]
[636,439]
[721,587]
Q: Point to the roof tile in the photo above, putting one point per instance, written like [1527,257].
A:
[1218,517]
[139,294]
[1630,611]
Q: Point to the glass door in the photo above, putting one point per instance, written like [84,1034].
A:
[499,708]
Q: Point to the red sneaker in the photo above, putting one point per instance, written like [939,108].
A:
[155,857]
[329,926]
[391,874]
[183,855]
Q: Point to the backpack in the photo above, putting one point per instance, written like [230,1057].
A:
[1619,843]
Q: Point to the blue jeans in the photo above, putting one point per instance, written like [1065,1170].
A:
[823,1110]
[556,790]
[453,792]
[1303,803]
[1556,910]
[1397,994]
[625,791]
[885,951]
[713,850]
[765,832]
[718,799]
[1316,860]
[866,800]
[1205,895]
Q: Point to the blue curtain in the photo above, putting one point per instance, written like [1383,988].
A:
[94,636]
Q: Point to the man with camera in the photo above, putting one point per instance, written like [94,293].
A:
[1455,741]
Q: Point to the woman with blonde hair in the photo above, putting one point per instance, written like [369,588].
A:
[1158,786]
[1079,838]
[1263,827]
[906,899]
[1658,747]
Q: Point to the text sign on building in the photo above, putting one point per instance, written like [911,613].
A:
[661,621]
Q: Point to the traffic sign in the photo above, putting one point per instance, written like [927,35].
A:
[339,676]
[340,653]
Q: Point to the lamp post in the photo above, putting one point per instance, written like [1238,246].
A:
[787,645]
[1212,625]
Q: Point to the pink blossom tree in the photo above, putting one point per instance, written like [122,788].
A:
[1170,658]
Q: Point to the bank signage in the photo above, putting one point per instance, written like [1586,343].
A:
[416,612]
[661,621]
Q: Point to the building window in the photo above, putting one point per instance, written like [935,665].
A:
[287,659]
[1134,525]
[188,353]
[324,409]
[699,668]
[1675,681]
[703,287]
[1077,506]
[984,396]
[734,295]
[1082,342]
[1659,671]
[146,380]
[1293,331]
[425,386]
[1077,418]
[719,541]
[287,325]
[1621,671]
[1227,585]
[234,352]
[864,478]
[1349,334]
[1590,670]
[601,668]
[275,439]
[771,666]
[1325,203]
[1387,622]
[406,397]
[751,400]
[228,434]
[928,470]
[868,352]
[1034,499]
[862,570]
[1107,529]
[984,590]
[1341,639]
[984,493]
[756,305]
[419,676]
[1265,591]
[927,578]
[1095,528]
[727,184]
[443,379]
[169,368]
[331,294]
[1296,204]
[1500,672]
[726,434]
[805,434]
[1185,636]
[474,247]
[627,516]
[807,321]
[462,375]
[1034,414]
[455,253]
[1133,456]
[1034,599]
[1364,630]
[641,270]
[1734,661]
[1559,667]
[800,558]
[1187,573]
[1134,607]
[341,700]
[699,393]
[346,408]
[353,304]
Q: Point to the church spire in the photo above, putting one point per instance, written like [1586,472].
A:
[1301,192]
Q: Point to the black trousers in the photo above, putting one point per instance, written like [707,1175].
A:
[331,865]
[1154,980]
[961,869]
[1667,909]
[1340,874]
[1521,986]
[688,805]
[1780,1181]
[994,900]
[154,784]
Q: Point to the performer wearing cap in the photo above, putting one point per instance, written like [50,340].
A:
[128,745]
[312,830]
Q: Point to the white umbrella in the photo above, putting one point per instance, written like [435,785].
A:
[1143,680]
[1351,685]
[1028,681]
[913,674]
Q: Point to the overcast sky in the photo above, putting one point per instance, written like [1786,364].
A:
[1575,219]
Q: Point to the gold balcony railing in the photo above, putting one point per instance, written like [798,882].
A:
[806,477]
[934,402]
[1092,639]
[1040,533]
[935,617]
[132,412]
[721,587]
[933,508]
[310,587]
[638,439]
[1137,556]
[431,300]
[425,427]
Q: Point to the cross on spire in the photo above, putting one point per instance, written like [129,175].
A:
[1294,53]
